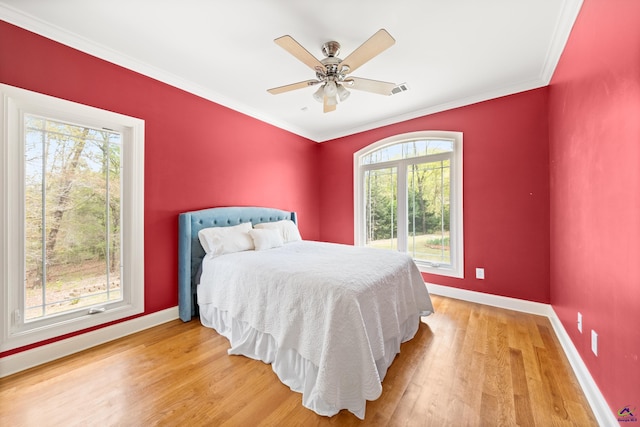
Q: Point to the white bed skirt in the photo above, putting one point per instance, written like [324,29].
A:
[298,373]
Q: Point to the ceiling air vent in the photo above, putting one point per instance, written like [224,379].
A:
[400,88]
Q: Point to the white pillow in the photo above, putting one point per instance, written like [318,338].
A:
[226,240]
[266,238]
[288,229]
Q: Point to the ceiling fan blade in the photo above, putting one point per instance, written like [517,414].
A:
[376,44]
[328,108]
[293,86]
[294,48]
[375,86]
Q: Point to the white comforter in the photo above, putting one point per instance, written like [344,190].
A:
[338,313]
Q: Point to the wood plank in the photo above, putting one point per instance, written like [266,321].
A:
[521,398]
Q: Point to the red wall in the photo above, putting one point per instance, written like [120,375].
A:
[506,191]
[197,154]
[594,114]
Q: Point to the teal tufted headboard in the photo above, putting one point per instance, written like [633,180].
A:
[190,252]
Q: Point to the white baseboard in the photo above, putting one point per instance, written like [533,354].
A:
[493,300]
[46,353]
[596,400]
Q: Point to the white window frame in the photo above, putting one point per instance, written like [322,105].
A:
[456,269]
[14,104]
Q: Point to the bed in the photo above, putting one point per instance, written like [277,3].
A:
[329,318]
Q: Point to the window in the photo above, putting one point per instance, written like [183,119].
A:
[408,197]
[72,217]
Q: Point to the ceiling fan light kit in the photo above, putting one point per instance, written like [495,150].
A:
[332,72]
[319,94]
[343,94]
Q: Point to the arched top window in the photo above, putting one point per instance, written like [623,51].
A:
[408,197]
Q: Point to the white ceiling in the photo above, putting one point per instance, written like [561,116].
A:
[449,52]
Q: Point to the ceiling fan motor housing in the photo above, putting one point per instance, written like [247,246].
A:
[331,70]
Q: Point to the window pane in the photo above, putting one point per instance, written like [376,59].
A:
[408,150]
[425,147]
[385,154]
[34,145]
[72,217]
[380,208]
[428,186]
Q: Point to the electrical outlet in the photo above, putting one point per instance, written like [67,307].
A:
[594,342]
[479,273]
[580,322]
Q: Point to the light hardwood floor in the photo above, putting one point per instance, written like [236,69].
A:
[469,365]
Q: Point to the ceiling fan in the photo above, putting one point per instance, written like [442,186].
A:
[333,73]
